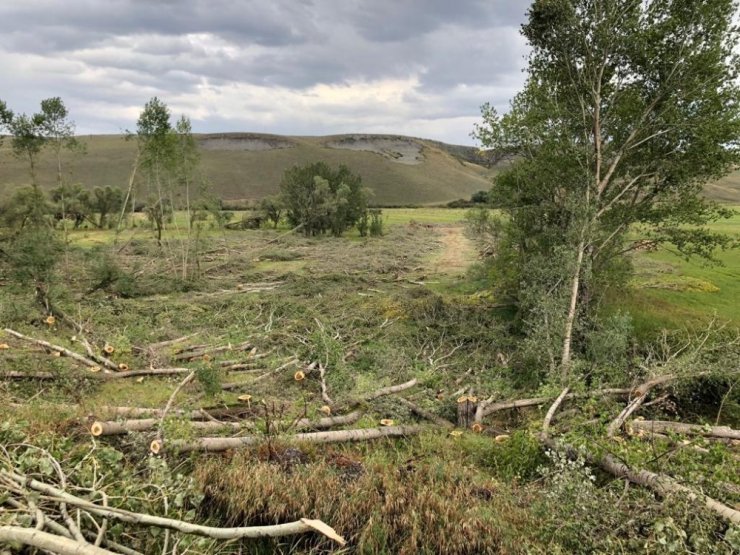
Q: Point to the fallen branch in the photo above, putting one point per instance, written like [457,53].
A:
[48,542]
[416,409]
[328,421]
[324,391]
[61,350]
[211,444]
[659,483]
[12,375]
[553,410]
[640,395]
[521,403]
[277,530]
[662,426]
[390,390]
[146,372]
[190,355]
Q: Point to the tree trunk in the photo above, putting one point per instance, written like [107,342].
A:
[572,309]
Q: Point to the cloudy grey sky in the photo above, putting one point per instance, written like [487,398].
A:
[299,67]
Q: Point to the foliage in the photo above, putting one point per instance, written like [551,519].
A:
[105,201]
[273,208]
[628,110]
[376,222]
[71,202]
[321,199]
[27,207]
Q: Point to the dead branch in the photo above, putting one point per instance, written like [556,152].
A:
[659,483]
[662,426]
[277,530]
[211,444]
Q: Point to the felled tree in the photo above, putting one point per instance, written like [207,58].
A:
[629,109]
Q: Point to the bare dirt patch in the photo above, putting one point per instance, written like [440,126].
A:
[457,252]
[399,149]
[244,141]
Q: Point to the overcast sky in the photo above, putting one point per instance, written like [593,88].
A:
[297,67]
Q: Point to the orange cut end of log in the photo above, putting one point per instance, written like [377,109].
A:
[326,409]
[501,438]
[244,398]
[155,446]
[50,320]
[477,427]
[109,349]
[463,399]
[123,367]
[299,376]
[472,399]
[4,346]
[386,422]
[95,369]
[96,429]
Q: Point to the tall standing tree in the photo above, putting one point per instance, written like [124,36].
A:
[629,108]
[157,155]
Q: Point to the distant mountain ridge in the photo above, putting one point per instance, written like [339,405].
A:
[401,170]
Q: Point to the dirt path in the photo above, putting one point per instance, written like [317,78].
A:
[457,252]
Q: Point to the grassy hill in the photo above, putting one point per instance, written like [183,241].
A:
[401,170]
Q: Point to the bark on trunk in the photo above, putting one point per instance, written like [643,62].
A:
[225,443]
[572,308]
[48,542]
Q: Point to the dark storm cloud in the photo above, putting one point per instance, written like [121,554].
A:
[422,61]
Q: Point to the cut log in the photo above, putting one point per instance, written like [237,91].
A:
[113,427]
[48,542]
[225,443]
[659,483]
[145,372]
[662,426]
[328,421]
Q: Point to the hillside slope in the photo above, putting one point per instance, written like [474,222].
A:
[400,170]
